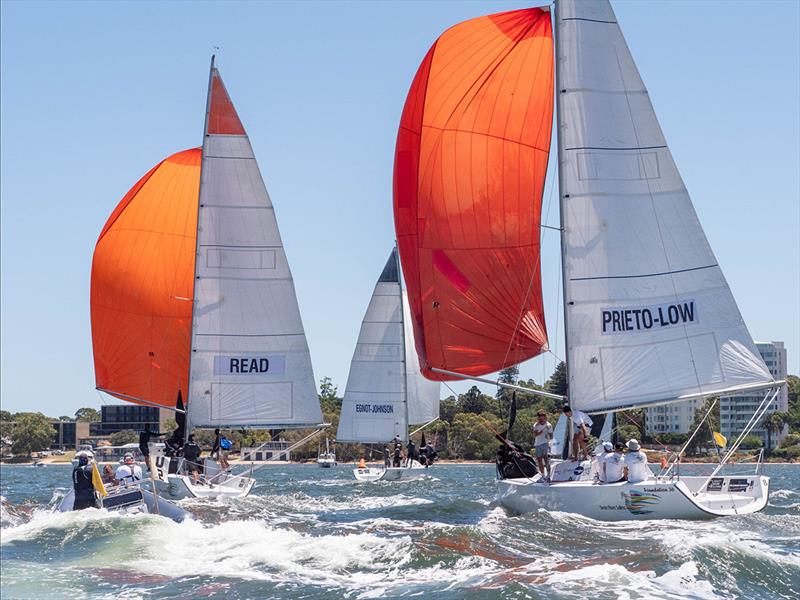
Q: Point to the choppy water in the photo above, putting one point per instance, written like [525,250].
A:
[310,533]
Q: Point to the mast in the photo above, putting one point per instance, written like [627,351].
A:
[561,195]
[403,330]
[189,402]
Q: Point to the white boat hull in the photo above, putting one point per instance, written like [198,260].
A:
[326,463]
[415,471]
[221,486]
[653,499]
[146,505]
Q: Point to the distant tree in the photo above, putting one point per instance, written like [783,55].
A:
[470,438]
[773,423]
[66,418]
[170,425]
[751,442]
[6,416]
[87,414]
[126,436]
[508,375]
[328,398]
[557,384]
[32,432]
[473,401]
[448,409]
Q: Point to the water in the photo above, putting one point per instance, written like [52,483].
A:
[314,533]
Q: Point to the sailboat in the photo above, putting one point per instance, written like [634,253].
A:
[385,392]
[326,459]
[192,293]
[648,316]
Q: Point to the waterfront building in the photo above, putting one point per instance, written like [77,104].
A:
[735,411]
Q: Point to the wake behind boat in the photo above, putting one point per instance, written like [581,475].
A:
[648,316]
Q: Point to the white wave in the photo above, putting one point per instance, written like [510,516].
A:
[678,583]
[784,494]
[45,519]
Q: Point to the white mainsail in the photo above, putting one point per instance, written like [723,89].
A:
[385,390]
[250,363]
[649,316]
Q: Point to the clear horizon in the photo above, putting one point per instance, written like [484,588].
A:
[93,95]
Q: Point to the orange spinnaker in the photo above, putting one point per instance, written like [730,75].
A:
[469,172]
[142,285]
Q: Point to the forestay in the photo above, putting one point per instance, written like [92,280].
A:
[373,407]
[650,317]
[250,364]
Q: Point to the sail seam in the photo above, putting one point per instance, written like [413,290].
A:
[488,135]
[588,20]
[608,148]
[644,275]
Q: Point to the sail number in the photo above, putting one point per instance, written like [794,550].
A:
[648,318]
[249,365]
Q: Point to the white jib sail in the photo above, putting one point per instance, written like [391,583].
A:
[250,364]
[650,317]
[423,394]
[374,403]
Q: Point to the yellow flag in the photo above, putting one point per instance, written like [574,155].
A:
[720,439]
[97,481]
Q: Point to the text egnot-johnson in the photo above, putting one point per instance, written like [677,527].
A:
[648,318]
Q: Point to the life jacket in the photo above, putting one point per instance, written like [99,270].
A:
[82,480]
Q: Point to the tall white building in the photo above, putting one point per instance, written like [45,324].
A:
[673,418]
[735,411]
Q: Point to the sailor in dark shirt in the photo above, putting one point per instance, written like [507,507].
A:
[144,442]
[191,455]
[82,483]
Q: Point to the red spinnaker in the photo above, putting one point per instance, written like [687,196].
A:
[469,172]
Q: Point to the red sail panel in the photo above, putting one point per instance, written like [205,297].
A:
[469,172]
[222,116]
[142,285]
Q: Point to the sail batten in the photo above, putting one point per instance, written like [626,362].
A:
[649,316]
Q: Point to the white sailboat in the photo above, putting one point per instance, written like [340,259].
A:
[326,459]
[192,291]
[385,391]
[250,363]
[649,318]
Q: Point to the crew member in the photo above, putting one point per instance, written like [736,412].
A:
[614,465]
[581,423]
[82,482]
[362,464]
[191,456]
[608,451]
[412,452]
[387,457]
[543,433]
[430,454]
[144,442]
[636,468]
[397,453]
[128,472]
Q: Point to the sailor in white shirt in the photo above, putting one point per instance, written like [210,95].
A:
[636,467]
[128,472]
[581,424]
[614,465]
[600,461]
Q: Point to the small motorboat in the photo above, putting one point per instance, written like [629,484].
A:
[132,499]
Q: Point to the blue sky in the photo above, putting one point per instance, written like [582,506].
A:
[94,94]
